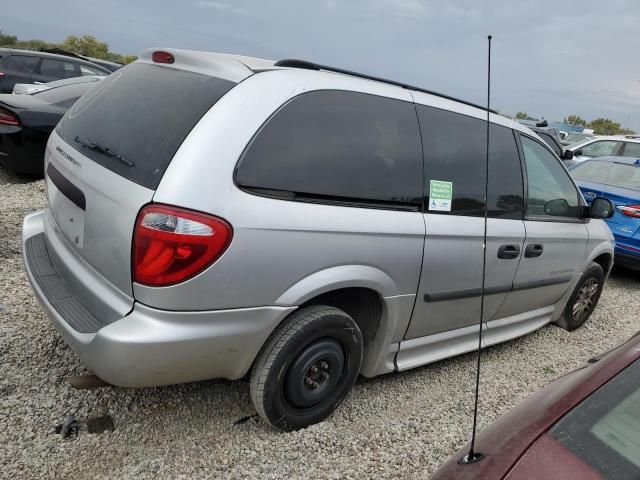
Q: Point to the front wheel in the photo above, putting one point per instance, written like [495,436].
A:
[306,367]
[584,298]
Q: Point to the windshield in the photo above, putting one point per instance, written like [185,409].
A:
[74,80]
[604,430]
[615,174]
[64,96]
[576,137]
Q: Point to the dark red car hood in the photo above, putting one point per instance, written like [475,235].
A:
[506,440]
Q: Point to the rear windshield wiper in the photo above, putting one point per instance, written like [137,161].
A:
[106,150]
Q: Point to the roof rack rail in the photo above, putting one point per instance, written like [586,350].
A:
[295,63]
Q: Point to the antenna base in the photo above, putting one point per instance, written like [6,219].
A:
[470,458]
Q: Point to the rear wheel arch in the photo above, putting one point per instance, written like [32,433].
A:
[364,305]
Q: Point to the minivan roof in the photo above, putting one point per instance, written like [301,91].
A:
[238,67]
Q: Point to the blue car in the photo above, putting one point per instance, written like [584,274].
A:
[618,179]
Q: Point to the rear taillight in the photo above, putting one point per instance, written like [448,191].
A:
[630,210]
[7,117]
[171,245]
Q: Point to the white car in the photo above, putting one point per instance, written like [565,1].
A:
[29,88]
[602,146]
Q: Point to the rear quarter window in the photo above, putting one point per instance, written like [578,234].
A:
[338,146]
[142,112]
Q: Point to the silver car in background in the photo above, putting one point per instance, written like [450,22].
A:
[29,88]
[238,216]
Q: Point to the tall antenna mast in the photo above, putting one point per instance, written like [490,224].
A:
[474,456]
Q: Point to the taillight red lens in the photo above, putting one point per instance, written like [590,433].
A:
[630,210]
[7,117]
[162,57]
[171,244]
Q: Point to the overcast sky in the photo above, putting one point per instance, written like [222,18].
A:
[551,58]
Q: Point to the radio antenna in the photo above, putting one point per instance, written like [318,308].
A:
[472,456]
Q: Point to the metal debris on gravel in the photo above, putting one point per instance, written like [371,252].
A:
[400,425]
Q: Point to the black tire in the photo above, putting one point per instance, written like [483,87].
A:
[584,298]
[306,367]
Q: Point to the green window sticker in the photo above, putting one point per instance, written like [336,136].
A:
[440,195]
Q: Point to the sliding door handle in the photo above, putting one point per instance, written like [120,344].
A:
[533,250]
[509,251]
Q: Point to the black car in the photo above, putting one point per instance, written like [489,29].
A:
[26,66]
[26,121]
[111,66]
[551,138]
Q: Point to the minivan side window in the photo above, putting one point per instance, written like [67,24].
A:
[551,193]
[337,145]
[455,151]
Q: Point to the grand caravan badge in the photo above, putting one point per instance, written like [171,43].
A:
[68,157]
[96,92]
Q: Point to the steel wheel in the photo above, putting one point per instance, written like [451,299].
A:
[585,300]
[313,376]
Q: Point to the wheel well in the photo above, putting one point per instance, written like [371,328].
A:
[604,260]
[362,304]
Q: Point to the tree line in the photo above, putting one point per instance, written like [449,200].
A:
[600,126]
[87,45]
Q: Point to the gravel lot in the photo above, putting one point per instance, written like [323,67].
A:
[396,426]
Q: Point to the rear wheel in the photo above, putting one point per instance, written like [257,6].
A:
[584,298]
[306,368]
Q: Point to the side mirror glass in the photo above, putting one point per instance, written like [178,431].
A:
[557,208]
[577,153]
[601,208]
[567,155]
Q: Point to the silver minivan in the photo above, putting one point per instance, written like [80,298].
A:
[217,216]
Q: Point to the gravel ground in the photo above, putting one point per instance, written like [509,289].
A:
[397,426]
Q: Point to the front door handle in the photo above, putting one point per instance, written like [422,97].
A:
[533,250]
[509,251]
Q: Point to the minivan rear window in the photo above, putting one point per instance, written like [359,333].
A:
[143,113]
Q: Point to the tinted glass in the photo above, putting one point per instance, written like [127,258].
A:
[20,63]
[57,68]
[631,150]
[550,190]
[142,112]
[575,137]
[336,144]
[601,148]
[454,151]
[604,430]
[548,139]
[591,171]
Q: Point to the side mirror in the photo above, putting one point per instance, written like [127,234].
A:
[577,153]
[601,208]
[567,155]
[557,208]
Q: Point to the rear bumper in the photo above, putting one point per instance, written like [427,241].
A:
[150,347]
